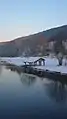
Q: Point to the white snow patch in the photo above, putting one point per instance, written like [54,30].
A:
[62,69]
[19,60]
[51,64]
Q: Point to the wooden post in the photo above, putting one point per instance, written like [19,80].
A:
[35,63]
[25,63]
[43,62]
[39,63]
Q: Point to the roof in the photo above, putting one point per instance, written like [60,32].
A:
[40,59]
[32,59]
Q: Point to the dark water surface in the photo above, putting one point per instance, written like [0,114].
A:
[24,96]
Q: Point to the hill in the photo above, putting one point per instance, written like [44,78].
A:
[34,45]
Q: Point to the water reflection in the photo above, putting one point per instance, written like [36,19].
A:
[35,96]
[0,69]
[14,69]
[27,79]
[57,91]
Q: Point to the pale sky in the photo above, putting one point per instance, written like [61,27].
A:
[24,17]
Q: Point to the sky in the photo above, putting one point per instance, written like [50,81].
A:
[23,17]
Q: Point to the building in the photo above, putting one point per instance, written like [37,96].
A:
[40,62]
[35,61]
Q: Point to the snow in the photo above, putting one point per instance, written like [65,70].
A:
[61,69]
[16,61]
[19,61]
[51,64]
[51,61]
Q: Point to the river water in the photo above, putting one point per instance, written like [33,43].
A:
[24,96]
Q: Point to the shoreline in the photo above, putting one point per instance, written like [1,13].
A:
[58,76]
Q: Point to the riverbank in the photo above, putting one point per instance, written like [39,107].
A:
[57,76]
[51,64]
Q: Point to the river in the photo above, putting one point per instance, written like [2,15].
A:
[24,96]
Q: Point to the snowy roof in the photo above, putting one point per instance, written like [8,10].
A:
[31,59]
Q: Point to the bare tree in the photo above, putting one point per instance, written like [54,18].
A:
[60,58]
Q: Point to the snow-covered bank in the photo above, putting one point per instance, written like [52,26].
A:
[62,69]
[16,60]
[51,64]
[19,61]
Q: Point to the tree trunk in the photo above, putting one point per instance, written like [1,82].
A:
[60,61]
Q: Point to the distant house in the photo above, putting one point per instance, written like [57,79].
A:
[40,62]
[35,61]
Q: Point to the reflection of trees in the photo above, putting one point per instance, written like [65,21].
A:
[14,69]
[57,91]
[27,79]
[0,69]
